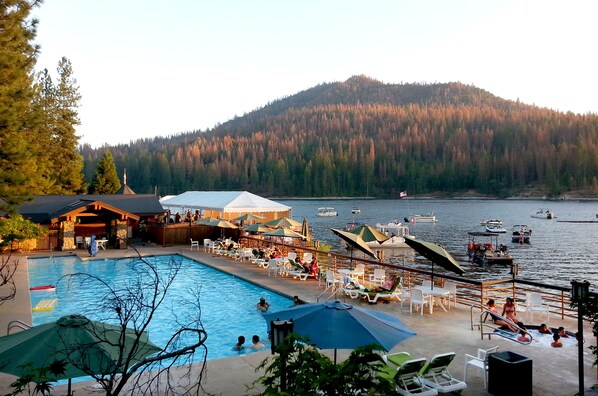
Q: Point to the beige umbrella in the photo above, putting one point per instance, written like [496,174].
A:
[283,232]
[222,223]
[283,222]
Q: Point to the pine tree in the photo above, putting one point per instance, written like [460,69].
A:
[18,167]
[68,163]
[105,180]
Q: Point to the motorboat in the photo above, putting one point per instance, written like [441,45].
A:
[355,211]
[495,228]
[544,214]
[491,222]
[422,218]
[327,212]
[490,252]
[521,234]
[395,245]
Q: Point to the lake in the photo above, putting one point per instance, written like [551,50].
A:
[558,253]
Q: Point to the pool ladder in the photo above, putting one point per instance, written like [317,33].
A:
[17,324]
[484,326]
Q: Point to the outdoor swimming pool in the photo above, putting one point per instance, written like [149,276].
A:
[227,303]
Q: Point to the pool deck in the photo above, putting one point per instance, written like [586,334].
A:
[555,371]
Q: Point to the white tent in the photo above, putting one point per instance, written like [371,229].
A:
[232,202]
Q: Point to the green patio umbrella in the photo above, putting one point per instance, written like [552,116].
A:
[354,242]
[249,217]
[436,254]
[205,220]
[257,227]
[86,346]
[369,233]
[283,222]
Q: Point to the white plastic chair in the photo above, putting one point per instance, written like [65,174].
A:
[194,244]
[292,255]
[79,241]
[419,301]
[273,267]
[535,303]
[427,283]
[206,244]
[359,270]
[378,276]
[480,362]
[405,294]
[332,280]
[307,256]
[452,288]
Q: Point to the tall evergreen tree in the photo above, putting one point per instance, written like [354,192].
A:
[18,168]
[105,180]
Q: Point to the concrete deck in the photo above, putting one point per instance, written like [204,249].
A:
[555,371]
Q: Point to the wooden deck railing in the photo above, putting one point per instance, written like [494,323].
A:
[469,291]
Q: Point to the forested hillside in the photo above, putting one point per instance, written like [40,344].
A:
[365,138]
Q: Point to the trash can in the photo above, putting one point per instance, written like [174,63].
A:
[509,373]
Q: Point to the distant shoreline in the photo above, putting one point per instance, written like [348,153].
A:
[461,198]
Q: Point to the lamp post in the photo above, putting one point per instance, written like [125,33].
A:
[279,330]
[579,294]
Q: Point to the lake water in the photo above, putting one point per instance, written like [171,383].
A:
[559,251]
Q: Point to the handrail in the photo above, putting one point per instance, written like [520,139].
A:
[18,324]
[483,315]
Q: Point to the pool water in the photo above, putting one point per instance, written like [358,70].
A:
[227,303]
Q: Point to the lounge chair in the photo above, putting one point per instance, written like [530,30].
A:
[296,270]
[406,377]
[373,296]
[436,374]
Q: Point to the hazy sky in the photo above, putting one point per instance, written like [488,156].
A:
[156,68]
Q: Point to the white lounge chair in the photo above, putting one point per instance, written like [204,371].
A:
[372,296]
[406,377]
[436,374]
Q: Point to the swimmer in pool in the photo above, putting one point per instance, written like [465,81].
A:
[544,329]
[563,333]
[557,343]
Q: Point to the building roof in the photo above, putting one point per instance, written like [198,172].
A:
[43,208]
[224,201]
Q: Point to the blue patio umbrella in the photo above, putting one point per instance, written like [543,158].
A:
[336,325]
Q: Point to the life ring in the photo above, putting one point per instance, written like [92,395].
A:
[44,287]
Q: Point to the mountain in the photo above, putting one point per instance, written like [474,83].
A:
[363,137]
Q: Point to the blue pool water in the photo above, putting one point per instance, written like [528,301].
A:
[227,303]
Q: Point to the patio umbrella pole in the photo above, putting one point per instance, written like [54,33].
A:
[68,392]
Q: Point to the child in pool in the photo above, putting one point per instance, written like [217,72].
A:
[557,343]
[544,329]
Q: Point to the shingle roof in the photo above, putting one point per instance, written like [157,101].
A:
[45,207]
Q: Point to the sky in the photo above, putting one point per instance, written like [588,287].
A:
[148,68]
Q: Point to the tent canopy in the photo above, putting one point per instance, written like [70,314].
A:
[223,201]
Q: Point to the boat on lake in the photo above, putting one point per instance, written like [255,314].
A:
[544,214]
[490,252]
[327,212]
[355,211]
[421,218]
[491,222]
[521,233]
[495,228]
